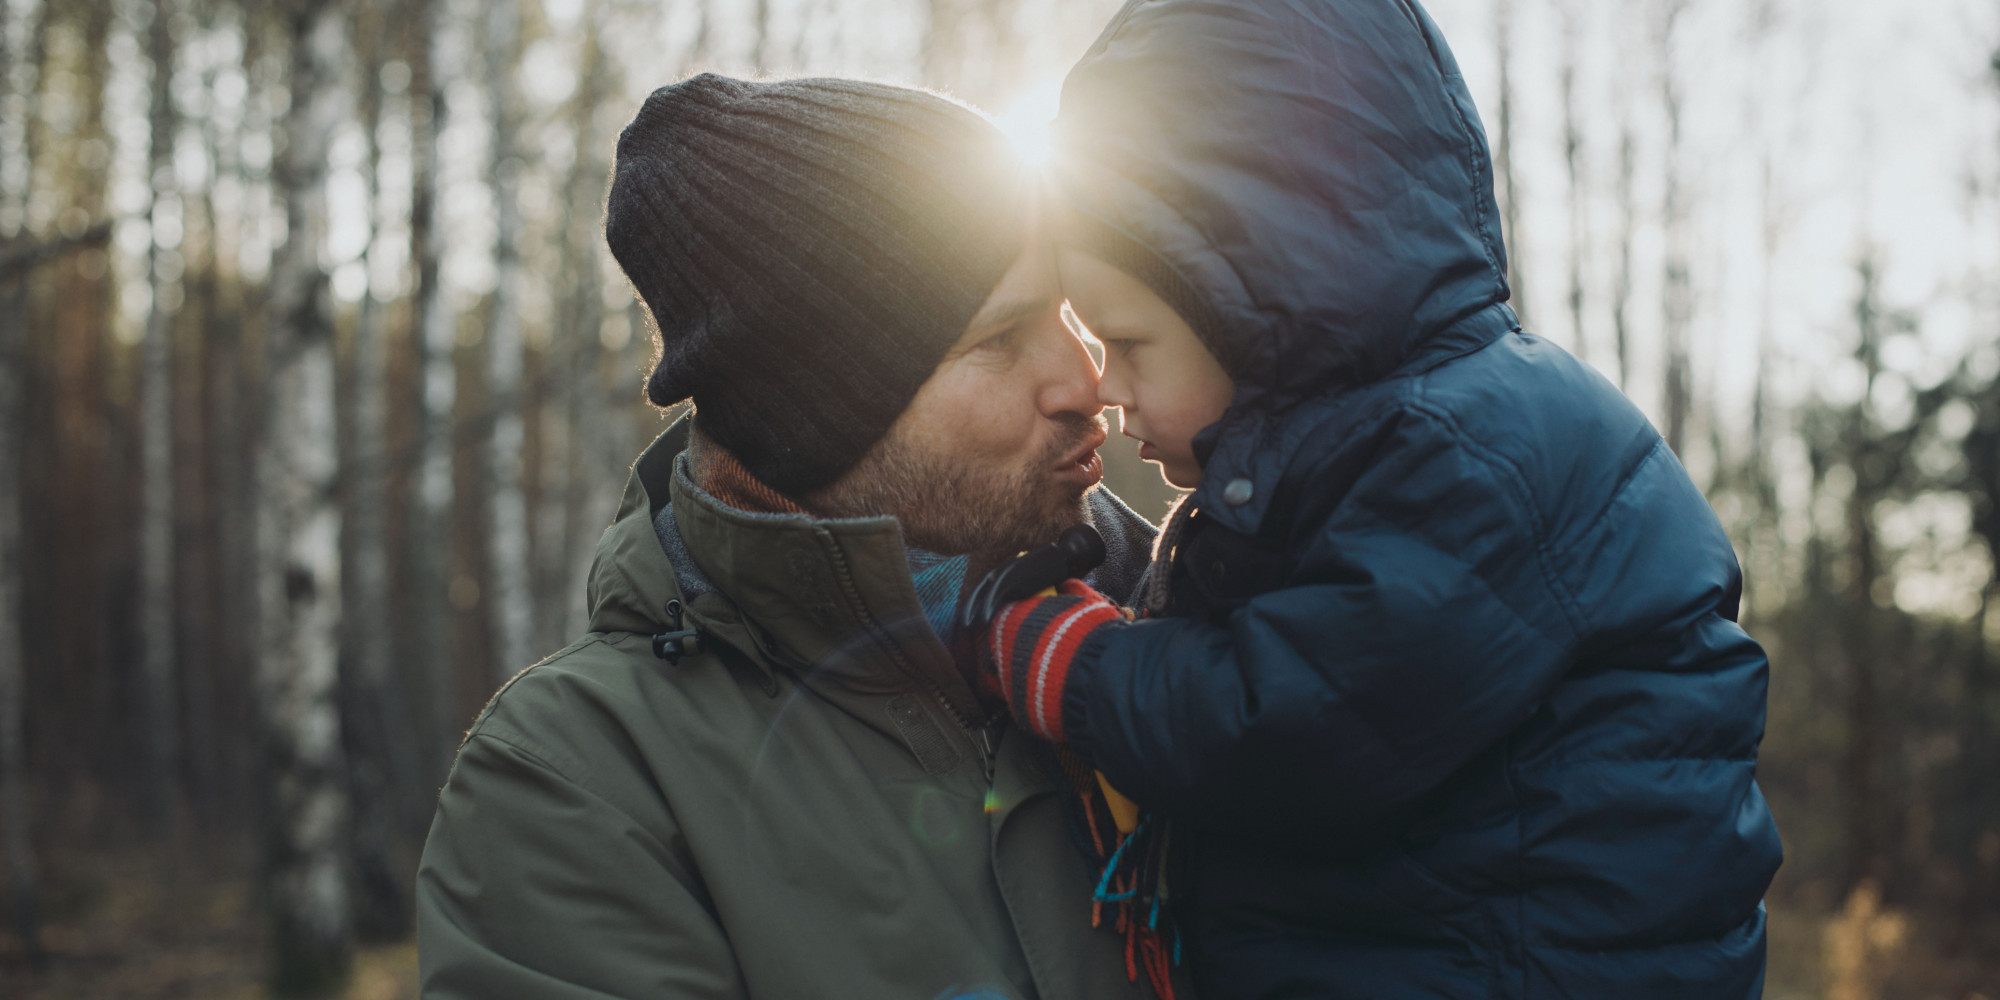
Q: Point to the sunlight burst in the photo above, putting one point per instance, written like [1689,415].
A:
[1027,122]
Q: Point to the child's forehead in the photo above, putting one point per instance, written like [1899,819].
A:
[1113,302]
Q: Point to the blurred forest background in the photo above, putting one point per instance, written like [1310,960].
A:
[330,274]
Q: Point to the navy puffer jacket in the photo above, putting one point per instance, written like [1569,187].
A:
[1451,692]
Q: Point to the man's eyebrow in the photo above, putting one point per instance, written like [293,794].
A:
[1007,314]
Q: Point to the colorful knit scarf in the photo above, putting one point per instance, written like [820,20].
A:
[1137,871]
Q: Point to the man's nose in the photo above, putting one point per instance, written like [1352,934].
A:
[1069,379]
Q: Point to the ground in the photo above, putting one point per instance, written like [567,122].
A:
[137,925]
[141,924]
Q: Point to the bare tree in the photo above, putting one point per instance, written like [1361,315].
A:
[589,499]
[1677,292]
[14,826]
[433,334]
[1862,765]
[510,611]
[20,256]
[760,52]
[376,728]
[1503,156]
[15,833]
[1628,232]
[156,441]
[199,466]
[1579,221]
[299,537]
[1981,825]
[234,334]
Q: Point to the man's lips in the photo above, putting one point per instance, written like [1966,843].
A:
[1082,465]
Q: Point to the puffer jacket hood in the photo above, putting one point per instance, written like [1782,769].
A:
[1313,172]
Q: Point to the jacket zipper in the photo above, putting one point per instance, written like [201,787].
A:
[986,756]
[979,735]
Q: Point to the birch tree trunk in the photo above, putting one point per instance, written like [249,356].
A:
[299,541]
[156,445]
[510,610]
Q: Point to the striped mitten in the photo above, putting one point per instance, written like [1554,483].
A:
[1032,644]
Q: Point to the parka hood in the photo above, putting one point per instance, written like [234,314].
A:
[1313,171]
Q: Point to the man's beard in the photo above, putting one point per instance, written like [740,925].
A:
[950,505]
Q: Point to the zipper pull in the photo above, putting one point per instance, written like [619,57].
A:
[986,757]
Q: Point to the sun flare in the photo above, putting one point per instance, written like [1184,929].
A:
[1028,120]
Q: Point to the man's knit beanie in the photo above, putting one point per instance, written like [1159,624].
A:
[810,251]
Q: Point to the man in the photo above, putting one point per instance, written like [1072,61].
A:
[761,774]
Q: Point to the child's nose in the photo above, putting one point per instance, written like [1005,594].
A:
[1112,387]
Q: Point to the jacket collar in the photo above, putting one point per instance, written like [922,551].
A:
[830,600]
[1257,446]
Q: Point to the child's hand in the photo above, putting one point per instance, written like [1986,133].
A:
[1028,649]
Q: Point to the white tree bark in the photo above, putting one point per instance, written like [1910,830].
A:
[156,445]
[298,529]
[510,610]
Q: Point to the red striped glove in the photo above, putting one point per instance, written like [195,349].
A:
[1032,643]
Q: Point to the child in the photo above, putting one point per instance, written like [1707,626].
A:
[1438,668]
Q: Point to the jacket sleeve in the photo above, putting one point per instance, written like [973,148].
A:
[1421,626]
[532,887]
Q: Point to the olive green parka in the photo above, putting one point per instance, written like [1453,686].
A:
[813,805]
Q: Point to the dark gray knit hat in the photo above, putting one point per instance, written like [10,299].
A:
[810,250]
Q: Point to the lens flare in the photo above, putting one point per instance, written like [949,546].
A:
[1027,122]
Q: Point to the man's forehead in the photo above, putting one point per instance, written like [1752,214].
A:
[1029,288]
